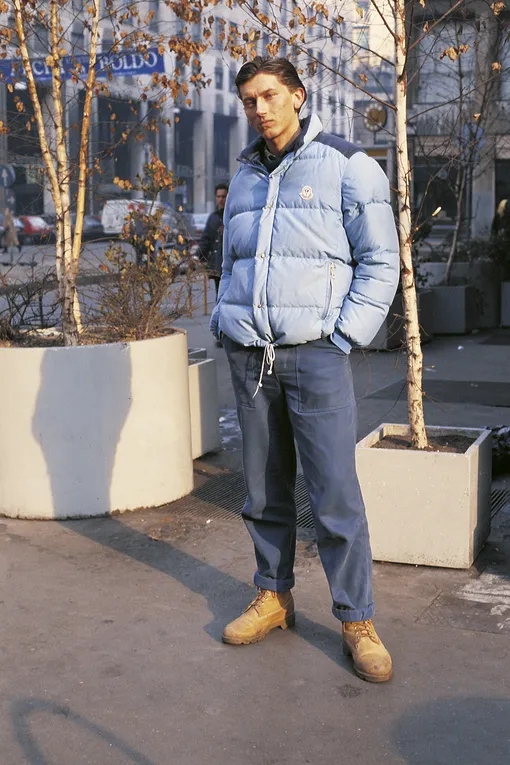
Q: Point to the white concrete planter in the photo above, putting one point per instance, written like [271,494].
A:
[455,309]
[204,407]
[481,308]
[505,304]
[91,430]
[428,508]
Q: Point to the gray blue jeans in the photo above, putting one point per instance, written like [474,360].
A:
[308,399]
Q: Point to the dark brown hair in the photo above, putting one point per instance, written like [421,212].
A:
[282,69]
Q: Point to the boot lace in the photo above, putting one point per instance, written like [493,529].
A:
[364,629]
[259,599]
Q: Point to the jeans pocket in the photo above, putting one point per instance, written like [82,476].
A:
[324,377]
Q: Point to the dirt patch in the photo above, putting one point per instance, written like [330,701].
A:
[55,340]
[447,443]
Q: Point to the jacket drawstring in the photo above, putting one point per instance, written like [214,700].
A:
[268,358]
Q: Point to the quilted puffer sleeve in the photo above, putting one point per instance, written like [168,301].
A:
[226,271]
[370,227]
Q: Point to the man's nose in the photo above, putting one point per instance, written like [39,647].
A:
[261,107]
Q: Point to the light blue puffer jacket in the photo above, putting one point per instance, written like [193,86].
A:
[309,249]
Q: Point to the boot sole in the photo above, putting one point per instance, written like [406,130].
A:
[364,675]
[290,621]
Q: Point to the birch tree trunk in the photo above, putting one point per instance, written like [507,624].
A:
[458,224]
[68,284]
[412,327]
[83,156]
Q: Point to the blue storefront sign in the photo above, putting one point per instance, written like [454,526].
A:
[126,64]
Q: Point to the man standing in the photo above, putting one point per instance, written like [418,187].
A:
[310,267]
[211,241]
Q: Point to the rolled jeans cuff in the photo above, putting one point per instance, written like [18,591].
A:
[275,585]
[353,615]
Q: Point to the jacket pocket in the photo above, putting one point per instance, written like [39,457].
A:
[330,290]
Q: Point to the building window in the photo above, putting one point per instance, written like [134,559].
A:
[319,100]
[39,39]
[441,79]
[219,33]
[320,57]
[232,80]
[233,32]
[361,37]
[504,60]
[196,32]
[153,11]
[77,42]
[218,77]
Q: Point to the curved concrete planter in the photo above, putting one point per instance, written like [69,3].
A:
[427,508]
[91,430]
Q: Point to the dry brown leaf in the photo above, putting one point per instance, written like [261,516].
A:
[497,8]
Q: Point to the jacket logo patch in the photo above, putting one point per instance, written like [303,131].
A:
[306,192]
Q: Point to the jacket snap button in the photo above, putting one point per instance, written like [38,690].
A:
[259,305]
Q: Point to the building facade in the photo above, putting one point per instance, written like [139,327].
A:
[198,135]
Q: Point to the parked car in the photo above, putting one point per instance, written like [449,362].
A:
[36,230]
[196,224]
[92,226]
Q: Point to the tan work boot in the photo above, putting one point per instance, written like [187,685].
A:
[267,611]
[372,661]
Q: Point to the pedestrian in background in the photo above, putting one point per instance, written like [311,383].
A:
[210,245]
[310,268]
[10,235]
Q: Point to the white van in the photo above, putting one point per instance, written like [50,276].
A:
[116,211]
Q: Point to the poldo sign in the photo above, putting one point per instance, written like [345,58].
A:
[127,64]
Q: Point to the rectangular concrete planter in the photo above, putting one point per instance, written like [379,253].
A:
[204,406]
[392,332]
[426,508]
[482,306]
[455,310]
[505,304]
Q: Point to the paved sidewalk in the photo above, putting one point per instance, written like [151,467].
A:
[110,637]
[467,360]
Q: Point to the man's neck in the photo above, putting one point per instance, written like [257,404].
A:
[278,146]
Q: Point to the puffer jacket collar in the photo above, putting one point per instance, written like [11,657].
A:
[311,126]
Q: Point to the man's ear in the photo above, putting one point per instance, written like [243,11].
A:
[298,98]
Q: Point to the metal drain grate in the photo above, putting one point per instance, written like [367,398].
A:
[500,498]
[223,496]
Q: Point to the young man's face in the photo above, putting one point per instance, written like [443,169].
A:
[221,198]
[271,108]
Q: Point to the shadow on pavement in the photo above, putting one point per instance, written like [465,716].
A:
[455,731]
[24,709]
[226,596]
